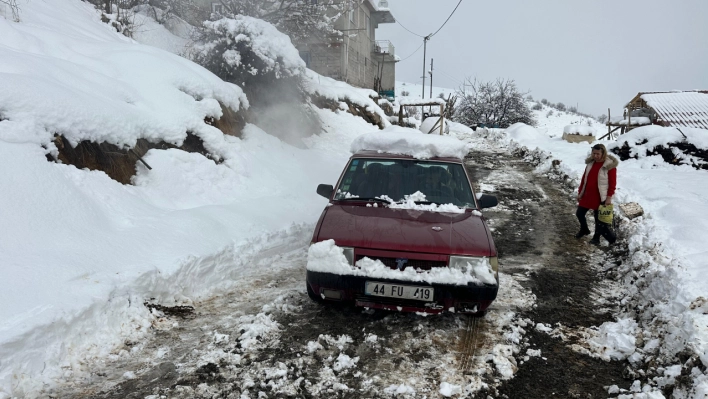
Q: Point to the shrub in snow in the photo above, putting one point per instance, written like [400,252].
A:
[602,118]
[246,50]
[254,55]
[560,107]
[495,104]
[544,101]
[537,107]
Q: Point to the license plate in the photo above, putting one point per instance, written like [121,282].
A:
[399,291]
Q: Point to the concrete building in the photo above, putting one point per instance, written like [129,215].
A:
[357,58]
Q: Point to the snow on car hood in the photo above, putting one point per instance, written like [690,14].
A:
[406,230]
[327,257]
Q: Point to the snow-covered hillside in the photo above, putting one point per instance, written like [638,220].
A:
[80,252]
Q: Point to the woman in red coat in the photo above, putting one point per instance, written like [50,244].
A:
[597,187]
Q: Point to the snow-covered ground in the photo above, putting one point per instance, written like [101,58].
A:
[664,284]
[81,253]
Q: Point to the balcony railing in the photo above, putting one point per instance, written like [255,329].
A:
[383,47]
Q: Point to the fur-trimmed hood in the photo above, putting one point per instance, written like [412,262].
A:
[610,163]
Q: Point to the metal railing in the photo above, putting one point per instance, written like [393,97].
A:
[383,47]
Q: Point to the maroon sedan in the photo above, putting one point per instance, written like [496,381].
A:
[404,234]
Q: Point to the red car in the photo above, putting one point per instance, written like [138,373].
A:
[404,234]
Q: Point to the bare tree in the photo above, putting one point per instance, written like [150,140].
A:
[496,103]
[301,20]
[450,105]
[12,4]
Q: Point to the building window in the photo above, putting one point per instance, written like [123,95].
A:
[368,26]
[351,16]
[217,8]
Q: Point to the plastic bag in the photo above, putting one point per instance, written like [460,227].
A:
[605,214]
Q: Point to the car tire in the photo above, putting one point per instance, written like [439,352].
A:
[312,294]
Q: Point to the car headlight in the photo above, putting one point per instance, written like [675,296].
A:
[349,254]
[461,263]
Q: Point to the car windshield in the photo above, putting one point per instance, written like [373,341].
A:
[441,182]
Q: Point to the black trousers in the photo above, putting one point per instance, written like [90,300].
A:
[601,229]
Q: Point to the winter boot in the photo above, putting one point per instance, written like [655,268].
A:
[582,233]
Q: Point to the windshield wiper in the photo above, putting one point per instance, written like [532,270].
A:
[363,199]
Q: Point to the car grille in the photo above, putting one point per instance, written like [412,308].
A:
[414,263]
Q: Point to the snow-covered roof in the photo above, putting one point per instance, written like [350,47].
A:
[411,142]
[580,129]
[636,120]
[684,108]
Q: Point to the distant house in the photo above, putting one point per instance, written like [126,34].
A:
[356,58]
[668,108]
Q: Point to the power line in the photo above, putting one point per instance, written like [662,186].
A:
[448,18]
[408,29]
[416,50]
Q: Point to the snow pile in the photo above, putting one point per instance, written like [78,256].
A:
[447,389]
[335,90]
[522,131]
[326,257]
[64,72]
[615,340]
[409,202]
[405,141]
[579,129]
[81,253]
[661,277]
[689,146]
[431,125]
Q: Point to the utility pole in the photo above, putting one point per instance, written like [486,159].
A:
[425,46]
[431,78]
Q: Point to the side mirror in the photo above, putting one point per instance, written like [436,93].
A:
[326,190]
[487,201]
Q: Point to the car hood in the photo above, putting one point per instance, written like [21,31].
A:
[406,230]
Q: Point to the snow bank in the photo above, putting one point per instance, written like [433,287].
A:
[662,277]
[655,135]
[412,142]
[524,132]
[81,253]
[335,90]
[65,72]
[326,257]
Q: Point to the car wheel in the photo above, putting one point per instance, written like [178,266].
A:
[312,294]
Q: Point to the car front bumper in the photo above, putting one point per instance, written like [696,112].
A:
[470,298]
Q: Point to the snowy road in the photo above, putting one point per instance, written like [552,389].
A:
[267,339]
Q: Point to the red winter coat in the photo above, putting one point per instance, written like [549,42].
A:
[599,182]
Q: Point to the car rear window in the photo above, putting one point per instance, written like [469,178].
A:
[441,182]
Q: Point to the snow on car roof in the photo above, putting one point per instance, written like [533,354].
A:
[406,141]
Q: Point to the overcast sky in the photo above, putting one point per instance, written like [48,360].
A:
[593,53]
